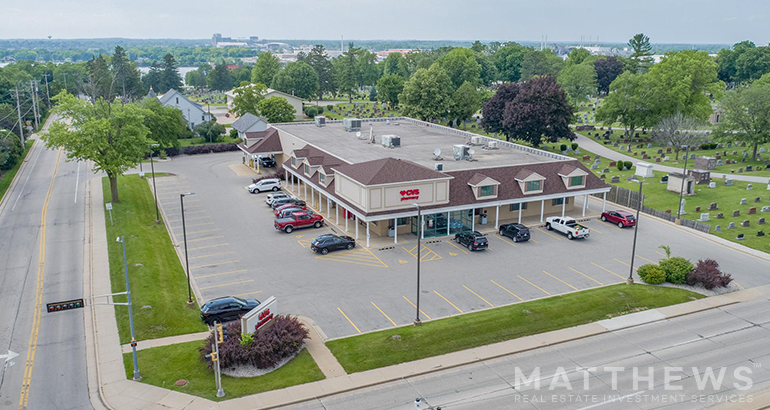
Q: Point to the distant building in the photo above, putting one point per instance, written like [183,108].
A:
[295,102]
[218,41]
[381,55]
[249,123]
[192,112]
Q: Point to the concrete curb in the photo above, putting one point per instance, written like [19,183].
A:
[4,200]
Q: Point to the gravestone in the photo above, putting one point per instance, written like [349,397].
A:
[713,206]
[749,187]
[605,170]
[657,159]
[718,228]
[757,200]
[704,217]
[740,170]
[735,152]
[760,233]
[666,158]
[749,168]
[743,201]
[668,150]
[728,182]
[598,161]
[719,145]
[622,147]
[615,179]
[681,206]
[729,145]
[602,176]
[660,151]
[594,166]
[720,216]
[765,209]
[615,163]
[736,213]
[762,150]
[739,237]
[752,211]
[712,184]
[664,179]
[719,162]
[745,223]
[731,225]
[692,156]
[761,221]
[649,146]
[586,157]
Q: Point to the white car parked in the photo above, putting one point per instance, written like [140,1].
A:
[264,185]
[273,196]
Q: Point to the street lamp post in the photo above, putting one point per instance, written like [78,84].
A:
[630,279]
[184,235]
[681,190]
[154,189]
[137,375]
[417,321]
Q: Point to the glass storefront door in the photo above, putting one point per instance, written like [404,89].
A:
[460,221]
[435,225]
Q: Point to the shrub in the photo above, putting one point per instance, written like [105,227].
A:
[233,133]
[707,273]
[311,111]
[283,339]
[280,174]
[171,151]
[621,165]
[563,147]
[574,146]
[676,269]
[628,164]
[247,339]
[205,149]
[11,151]
[652,274]
[162,154]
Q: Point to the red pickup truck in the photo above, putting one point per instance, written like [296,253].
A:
[299,220]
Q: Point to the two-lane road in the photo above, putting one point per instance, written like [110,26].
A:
[41,261]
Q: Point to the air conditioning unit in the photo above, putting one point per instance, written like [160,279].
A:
[395,141]
[438,167]
[351,124]
[492,145]
[460,151]
[385,140]
[320,121]
[476,140]
[390,141]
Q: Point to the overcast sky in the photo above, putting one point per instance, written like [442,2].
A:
[665,21]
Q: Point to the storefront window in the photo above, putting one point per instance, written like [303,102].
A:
[460,221]
[435,225]
[559,201]
[516,207]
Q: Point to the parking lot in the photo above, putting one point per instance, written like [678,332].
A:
[234,250]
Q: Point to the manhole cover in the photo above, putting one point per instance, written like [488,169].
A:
[181,382]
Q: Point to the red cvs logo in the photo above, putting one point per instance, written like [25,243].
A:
[410,194]
[264,317]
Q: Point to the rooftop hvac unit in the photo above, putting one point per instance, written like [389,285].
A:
[492,145]
[320,121]
[461,151]
[351,124]
[476,140]
[438,167]
[395,142]
[390,141]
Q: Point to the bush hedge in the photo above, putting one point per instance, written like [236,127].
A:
[707,273]
[652,274]
[283,339]
[677,269]
[280,174]
[628,164]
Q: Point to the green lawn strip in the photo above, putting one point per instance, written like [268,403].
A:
[7,178]
[162,366]
[159,285]
[340,110]
[437,337]
[186,142]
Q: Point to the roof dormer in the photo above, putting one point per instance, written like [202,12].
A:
[573,177]
[483,186]
[530,182]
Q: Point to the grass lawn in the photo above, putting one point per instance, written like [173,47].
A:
[437,337]
[162,366]
[7,177]
[158,282]
[186,142]
[341,110]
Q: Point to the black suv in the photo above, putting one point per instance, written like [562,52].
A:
[288,200]
[266,162]
[226,308]
[517,232]
[325,243]
[474,240]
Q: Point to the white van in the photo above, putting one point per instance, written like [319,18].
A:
[272,184]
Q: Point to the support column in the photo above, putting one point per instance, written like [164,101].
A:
[448,222]
[305,196]
[347,218]
[542,210]
[355,221]
[395,230]
[497,217]
[473,219]
[563,206]
[604,201]
[520,209]
[422,228]
[367,234]
[328,207]
[585,204]
[320,202]
[337,214]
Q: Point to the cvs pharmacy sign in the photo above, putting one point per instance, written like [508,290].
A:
[410,194]
[261,317]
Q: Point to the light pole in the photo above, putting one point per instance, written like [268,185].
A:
[630,280]
[137,376]
[154,189]
[681,190]
[186,261]
[417,321]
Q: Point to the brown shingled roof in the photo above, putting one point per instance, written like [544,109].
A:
[270,142]
[387,171]
[523,174]
[478,178]
[567,169]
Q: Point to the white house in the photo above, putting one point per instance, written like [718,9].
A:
[295,102]
[192,112]
[249,123]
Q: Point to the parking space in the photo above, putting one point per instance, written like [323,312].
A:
[234,250]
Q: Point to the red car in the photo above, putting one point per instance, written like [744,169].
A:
[298,220]
[620,218]
[278,210]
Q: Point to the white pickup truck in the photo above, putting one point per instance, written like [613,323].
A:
[567,226]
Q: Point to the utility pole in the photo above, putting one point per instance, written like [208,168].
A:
[34,104]
[21,124]
[47,91]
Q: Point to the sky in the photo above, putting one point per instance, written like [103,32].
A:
[664,21]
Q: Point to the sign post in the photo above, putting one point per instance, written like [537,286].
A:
[108,205]
[261,317]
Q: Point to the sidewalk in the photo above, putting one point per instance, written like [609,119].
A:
[599,149]
[107,375]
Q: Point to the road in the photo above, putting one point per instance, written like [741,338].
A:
[733,337]
[45,209]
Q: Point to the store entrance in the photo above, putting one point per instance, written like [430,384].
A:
[445,223]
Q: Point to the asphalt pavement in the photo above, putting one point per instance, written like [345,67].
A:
[50,371]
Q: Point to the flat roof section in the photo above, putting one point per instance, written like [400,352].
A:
[418,142]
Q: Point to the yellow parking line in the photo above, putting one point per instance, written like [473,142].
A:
[189,219]
[501,238]
[426,255]
[204,239]
[221,273]
[594,229]
[227,284]
[415,306]
[383,313]
[648,260]
[602,267]
[560,280]
[447,301]
[212,254]
[618,260]
[350,321]
[552,236]
[455,245]
[185,212]
[349,261]
[478,296]
[581,273]
[248,293]
[213,264]
[203,231]
[660,253]
[193,225]
[533,240]
[538,287]
[207,246]
[503,288]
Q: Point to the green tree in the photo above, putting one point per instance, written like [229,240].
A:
[367,70]
[319,61]
[154,78]
[69,76]
[345,72]
[210,131]
[641,52]
[241,74]
[127,81]
[488,70]
[170,78]
[508,60]
[752,64]
[726,61]
[99,79]
[266,67]
[395,64]
[389,87]
[11,150]
[746,115]
[630,102]
[112,136]
[220,79]
[276,109]
[577,56]
[427,95]
[466,101]
[247,98]
[298,79]
[578,81]
[461,66]
[165,125]
[540,63]
[478,47]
